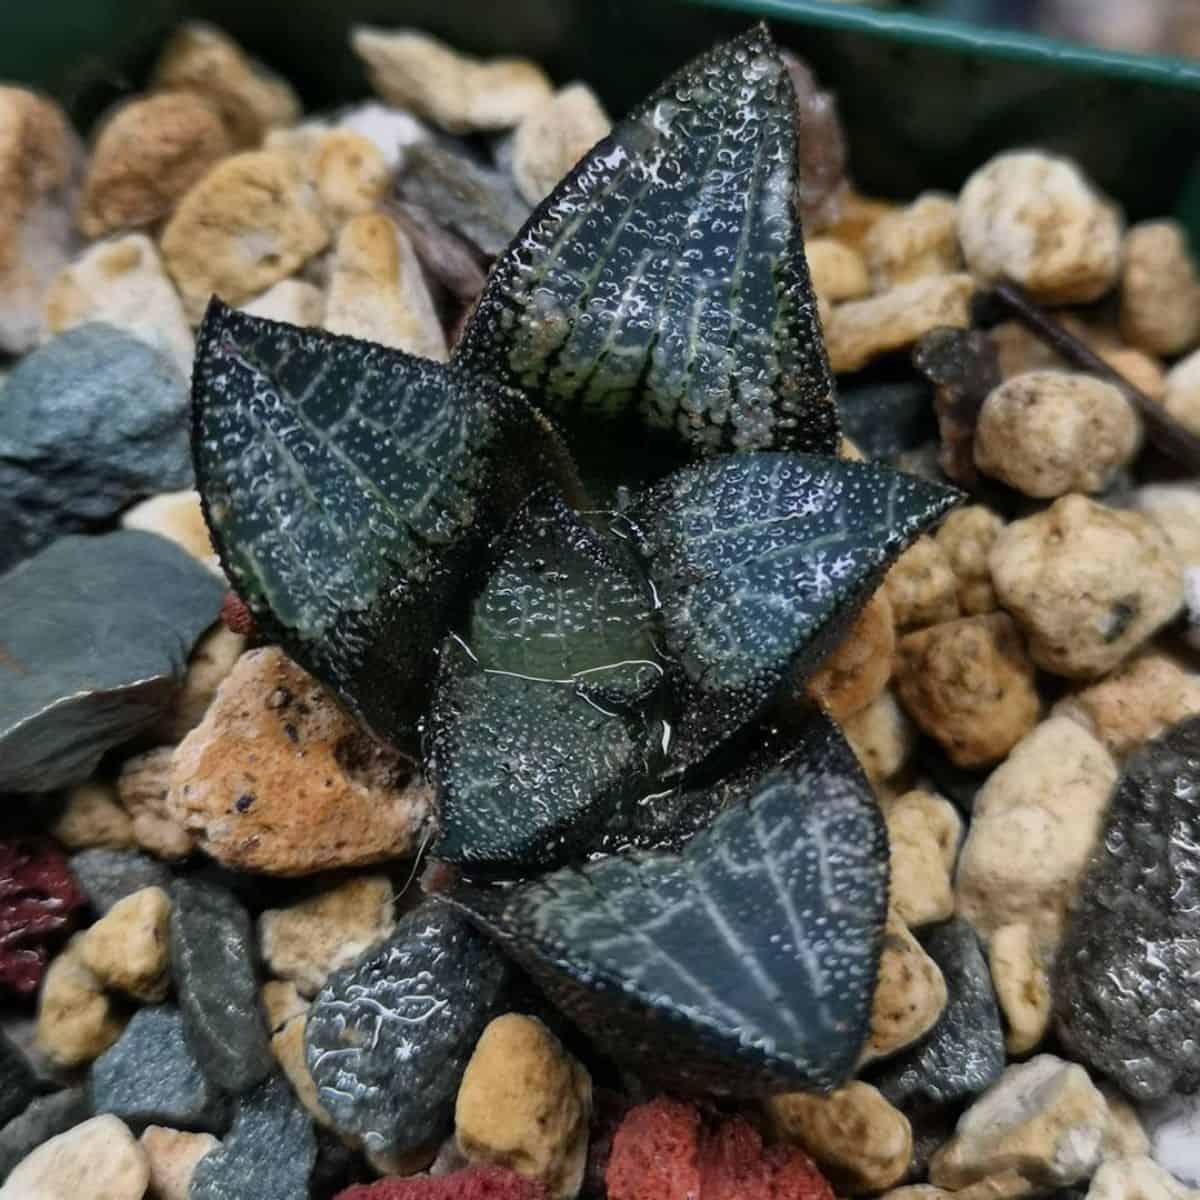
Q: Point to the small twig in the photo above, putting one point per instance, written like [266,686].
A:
[1161,428]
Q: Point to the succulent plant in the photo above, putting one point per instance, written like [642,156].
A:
[594,689]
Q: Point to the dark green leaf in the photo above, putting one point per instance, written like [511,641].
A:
[761,562]
[349,490]
[666,273]
[524,769]
[564,605]
[744,965]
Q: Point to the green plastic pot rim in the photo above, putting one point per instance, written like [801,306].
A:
[960,38]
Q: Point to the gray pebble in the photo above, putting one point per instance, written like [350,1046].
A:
[477,203]
[91,421]
[268,1153]
[107,876]
[18,1084]
[96,634]
[213,961]
[150,1077]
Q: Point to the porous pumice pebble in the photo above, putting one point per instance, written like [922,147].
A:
[882,736]
[1022,986]
[965,539]
[92,817]
[456,92]
[1137,1178]
[99,1160]
[854,1135]
[122,282]
[1175,509]
[1033,826]
[1047,433]
[914,241]
[1160,290]
[922,586]
[377,291]
[311,939]
[1182,399]
[76,1019]
[861,330]
[127,948]
[859,669]
[201,59]
[172,1156]
[250,222]
[554,136]
[1045,1119]
[969,684]
[1033,218]
[1087,584]
[524,1103]
[924,832]
[1140,700]
[910,993]
[838,271]
[147,154]
[39,165]
[142,788]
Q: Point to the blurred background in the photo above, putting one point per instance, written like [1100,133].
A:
[1169,27]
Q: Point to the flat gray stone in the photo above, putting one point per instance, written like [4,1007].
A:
[268,1153]
[106,876]
[95,634]
[90,421]
[1125,977]
[44,1118]
[477,203]
[18,1083]
[213,958]
[150,1076]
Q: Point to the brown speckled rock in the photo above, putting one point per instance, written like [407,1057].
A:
[970,685]
[148,154]
[250,222]
[965,539]
[1086,584]
[922,586]
[859,669]
[200,58]
[277,779]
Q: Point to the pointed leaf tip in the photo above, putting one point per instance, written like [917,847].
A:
[666,274]
[761,562]
[349,489]
[744,965]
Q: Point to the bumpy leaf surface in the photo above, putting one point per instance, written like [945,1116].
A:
[666,273]
[564,606]
[744,965]
[349,489]
[761,562]
[524,769]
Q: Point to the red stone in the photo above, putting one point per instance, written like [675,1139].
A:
[656,1154]
[236,616]
[662,1152]
[474,1183]
[38,896]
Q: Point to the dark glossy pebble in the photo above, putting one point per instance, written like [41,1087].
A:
[389,1038]
[213,963]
